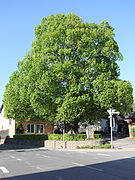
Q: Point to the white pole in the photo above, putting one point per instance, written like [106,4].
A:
[63,130]
[111,112]
[111,132]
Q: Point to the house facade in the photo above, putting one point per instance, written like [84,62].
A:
[7,126]
[37,128]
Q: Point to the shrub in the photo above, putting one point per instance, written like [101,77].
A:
[97,136]
[104,146]
[57,137]
[75,137]
[80,137]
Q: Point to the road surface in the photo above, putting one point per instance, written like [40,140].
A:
[39,164]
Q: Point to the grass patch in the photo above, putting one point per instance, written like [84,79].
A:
[103,146]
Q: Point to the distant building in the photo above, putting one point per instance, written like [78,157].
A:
[131,122]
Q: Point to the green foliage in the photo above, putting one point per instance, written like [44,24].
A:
[31,136]
[75,137]
[69,74]
[104,146]
[57,137]
[67,137]
[113,93]
[98,136]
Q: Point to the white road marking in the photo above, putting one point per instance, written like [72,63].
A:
[131,158]
[45,156]
[97,169]
[18,159]
[126,157]
[39,168]
[59,178]
[89,167]
[100,154]
[77,164]
[4,170]
[12,157]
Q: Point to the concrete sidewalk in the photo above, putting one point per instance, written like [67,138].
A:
[124,143]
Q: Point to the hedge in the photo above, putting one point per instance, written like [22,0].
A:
[58,137]
[103,146]
[97,136]
[31,136]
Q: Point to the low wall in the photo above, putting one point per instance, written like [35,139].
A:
[24,142]
[51,144]
[2,139]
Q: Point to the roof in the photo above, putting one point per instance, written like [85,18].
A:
[131,115]
[1,108]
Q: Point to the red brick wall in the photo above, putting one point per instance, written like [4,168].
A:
[47,127]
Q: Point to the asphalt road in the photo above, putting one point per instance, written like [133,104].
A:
[39,164]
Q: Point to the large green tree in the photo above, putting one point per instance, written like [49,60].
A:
[70,74]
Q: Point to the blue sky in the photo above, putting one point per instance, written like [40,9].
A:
[18,18]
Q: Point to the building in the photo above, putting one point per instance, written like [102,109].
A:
[7,126]
[131,122]
[37,127]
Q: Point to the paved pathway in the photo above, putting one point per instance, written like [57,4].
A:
[124,143]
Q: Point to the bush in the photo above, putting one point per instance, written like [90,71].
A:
[75,137]
[104,146]
[57,137]
[67,137]
[80,137]
[97,136]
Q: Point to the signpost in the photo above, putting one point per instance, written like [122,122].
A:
[111,112]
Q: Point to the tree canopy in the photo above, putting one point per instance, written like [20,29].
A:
[70,74]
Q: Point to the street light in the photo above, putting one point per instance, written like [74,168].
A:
[111,112]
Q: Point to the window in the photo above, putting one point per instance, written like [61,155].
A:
[35,128]
[30,128]
[39,128]
[10,121]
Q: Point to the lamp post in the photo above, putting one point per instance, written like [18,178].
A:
[111,112]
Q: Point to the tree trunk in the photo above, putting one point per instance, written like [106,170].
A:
[72,128]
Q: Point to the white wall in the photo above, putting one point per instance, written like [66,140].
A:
[7,124]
